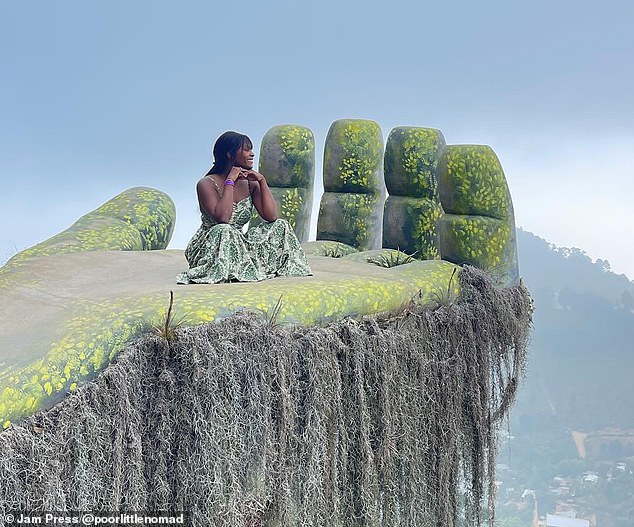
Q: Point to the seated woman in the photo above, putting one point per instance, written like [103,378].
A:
[219,251]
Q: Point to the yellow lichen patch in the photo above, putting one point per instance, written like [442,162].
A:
[359,218]
[411,160]
[290,206]
[483,242]
[353,156]
[474,180]
[479,226]
[360,162]
[352,182]
[298,148]
[151,212]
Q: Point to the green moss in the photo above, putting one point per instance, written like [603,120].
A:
[87,342]
[353,157]
[298,149]
[360,159]
[350,218]
[359,217]
[287,159]
[409,224]
[479,241]
[473,182]
[290,206]
[351,206]
[150,211]
[92,232]
[422,226]
[479,227]
[411,161]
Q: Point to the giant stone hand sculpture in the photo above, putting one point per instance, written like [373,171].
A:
[71,303]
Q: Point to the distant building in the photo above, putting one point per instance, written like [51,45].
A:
[528,493]
[591,478]
[553,520]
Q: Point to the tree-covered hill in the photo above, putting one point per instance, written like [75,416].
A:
[581,361]
[546,266]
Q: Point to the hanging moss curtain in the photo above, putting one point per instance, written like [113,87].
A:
[384,421]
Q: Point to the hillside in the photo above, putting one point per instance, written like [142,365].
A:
[581,360]
[546,266]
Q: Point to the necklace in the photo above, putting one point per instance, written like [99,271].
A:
[220,193]
[215,184]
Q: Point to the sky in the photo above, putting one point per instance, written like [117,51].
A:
[97,97]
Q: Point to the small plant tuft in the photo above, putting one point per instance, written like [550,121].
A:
[391,258]
[168,327]
[334,251]
[446,297]
[270,316]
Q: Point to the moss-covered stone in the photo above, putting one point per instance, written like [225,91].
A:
[287,156]
[479,225]
[150,211]
[70,308]
[92,232]
[411,161]
[292,206]
[353,157]
[353,219]
[477,240]
[413,207]
[139,218]
[472,182]
[352,204]
[409,224]
[287,160]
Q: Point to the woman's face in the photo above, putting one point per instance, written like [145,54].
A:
[244,157]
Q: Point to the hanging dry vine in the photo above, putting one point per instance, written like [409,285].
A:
[384,421]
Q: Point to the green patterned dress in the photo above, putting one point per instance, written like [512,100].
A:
[221,252]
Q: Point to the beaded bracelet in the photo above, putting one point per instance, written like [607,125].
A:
[230,182]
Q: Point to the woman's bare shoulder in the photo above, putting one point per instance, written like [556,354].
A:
[206,180]
[207,177]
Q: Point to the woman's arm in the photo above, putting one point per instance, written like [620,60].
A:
[262,197]
[219,208]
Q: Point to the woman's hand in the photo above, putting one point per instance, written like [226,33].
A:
[235,173]
[252,175]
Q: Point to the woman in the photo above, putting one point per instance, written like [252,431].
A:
[220,251]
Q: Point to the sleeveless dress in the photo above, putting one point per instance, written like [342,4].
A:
[221,252]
